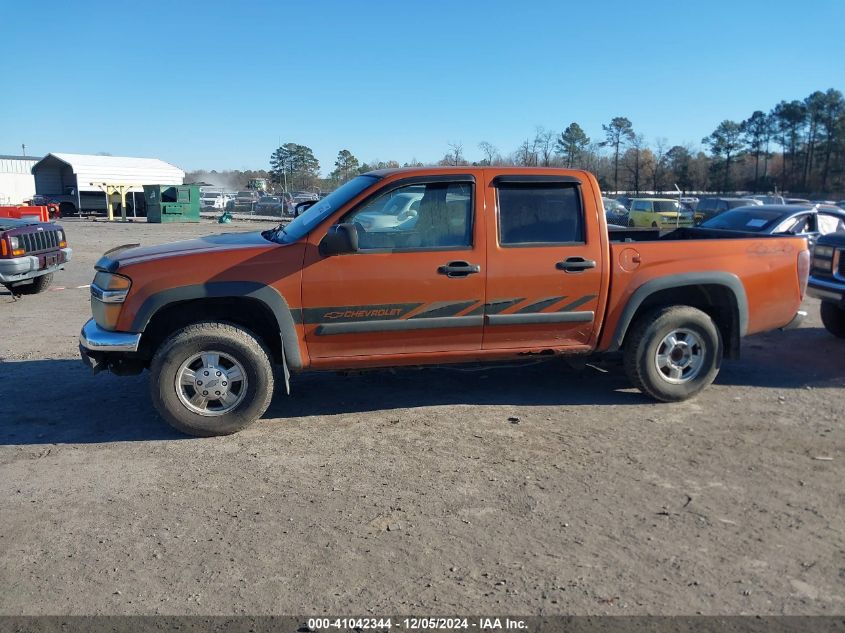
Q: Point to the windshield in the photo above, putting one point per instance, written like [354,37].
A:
[744,219]
[297,229]
[665,206]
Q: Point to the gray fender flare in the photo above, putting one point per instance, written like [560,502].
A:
[710,278]
[267,295]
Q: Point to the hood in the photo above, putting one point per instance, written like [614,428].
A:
[14,223]
[113,259]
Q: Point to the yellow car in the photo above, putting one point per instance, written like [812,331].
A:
[658,213]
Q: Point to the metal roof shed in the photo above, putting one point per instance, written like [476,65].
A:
[57,171]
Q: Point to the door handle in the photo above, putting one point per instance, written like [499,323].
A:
[575,264]
[458,269]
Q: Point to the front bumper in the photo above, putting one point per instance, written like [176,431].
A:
[31,266]
[93,338]
[833,291]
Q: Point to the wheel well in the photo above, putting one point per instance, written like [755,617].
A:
[716,300]
[246,312]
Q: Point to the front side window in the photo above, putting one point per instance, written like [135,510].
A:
[434,215]
[539,213]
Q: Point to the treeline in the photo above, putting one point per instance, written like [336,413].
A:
[797,147]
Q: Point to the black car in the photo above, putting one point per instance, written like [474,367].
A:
[708,208]
[781,219]
[827,281]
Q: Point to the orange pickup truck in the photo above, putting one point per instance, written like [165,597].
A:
[430,266]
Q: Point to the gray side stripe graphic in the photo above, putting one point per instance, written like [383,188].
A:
[537,306]
[500,305]
[443,309]
[577,302]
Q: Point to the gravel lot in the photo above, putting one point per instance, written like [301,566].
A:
[413,492]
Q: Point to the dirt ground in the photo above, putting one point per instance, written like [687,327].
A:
[413,492]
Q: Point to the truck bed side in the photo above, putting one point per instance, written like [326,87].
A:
[764,269]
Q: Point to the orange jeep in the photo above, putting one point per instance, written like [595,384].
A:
[430,266]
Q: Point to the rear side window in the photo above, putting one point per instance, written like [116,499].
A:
[641,205]
[539,213]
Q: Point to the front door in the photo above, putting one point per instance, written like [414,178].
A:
[544,264]
[410,288]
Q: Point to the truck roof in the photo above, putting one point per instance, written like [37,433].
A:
[451,169]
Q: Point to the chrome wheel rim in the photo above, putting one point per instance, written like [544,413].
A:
[680,356]
[211,383]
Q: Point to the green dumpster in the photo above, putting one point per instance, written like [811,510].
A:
[172,203]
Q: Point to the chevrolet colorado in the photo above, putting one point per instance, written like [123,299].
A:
[495,264]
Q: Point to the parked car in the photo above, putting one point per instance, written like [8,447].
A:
[303,196]
[270,205]
[397,211]
[827,281]
[769,199]
[797,201]
[615,212]
[30,252]
[690,201]
[711,207]
[470,281]
[212,200]
[781,219]
[243,201]
[658,213]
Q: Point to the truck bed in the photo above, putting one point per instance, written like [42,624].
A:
[765,265]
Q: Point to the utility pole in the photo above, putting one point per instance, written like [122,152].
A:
[23,148]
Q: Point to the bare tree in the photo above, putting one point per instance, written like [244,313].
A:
[526,155]
[455,155]
[658,172]
[544,143]
[491,154]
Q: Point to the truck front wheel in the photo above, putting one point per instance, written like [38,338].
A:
[672,353]
[833,318]
[211,379]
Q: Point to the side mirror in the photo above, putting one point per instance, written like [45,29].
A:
[341,239]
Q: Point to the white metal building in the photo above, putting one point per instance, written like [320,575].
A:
[16,181]
[56,172]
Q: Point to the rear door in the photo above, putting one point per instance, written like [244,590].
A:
[544,262]
[415,283]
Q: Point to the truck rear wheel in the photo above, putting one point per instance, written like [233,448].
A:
[211,379]
[673,353]
[833,318]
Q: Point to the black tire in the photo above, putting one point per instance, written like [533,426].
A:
[654,225]
[631,223]
[833,318]
[222,338]
[39,284]
[66,209]
[646,338]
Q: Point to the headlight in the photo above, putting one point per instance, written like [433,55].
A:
[108,292]
[14,242]
[823,251]
[110,288]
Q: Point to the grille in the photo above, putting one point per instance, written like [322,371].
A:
[39,241]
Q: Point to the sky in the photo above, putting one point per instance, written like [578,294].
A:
[218,85]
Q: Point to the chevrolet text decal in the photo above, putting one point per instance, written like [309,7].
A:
[362,314]
[386,312]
